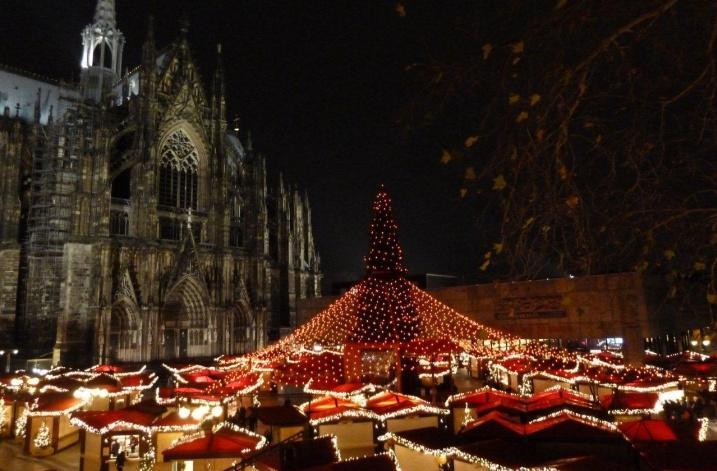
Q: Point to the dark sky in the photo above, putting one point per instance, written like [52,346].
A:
[321,86]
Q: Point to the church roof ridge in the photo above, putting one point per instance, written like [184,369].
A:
[33,75]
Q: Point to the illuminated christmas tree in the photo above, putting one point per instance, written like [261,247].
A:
[385,257]
[42,438]
[383,308]
[386,311]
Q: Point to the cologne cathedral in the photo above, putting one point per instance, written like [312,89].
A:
[135,225]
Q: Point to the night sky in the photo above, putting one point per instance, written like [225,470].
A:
[321,86]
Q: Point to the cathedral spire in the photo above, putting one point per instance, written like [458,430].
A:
[184,30]
[149,57]
[105,14]
[148,48]
[218,87]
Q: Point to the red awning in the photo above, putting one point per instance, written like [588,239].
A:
[566,427]
[485,396]
[134,380]
[224,443]
[556,398]
[648,430]
[174,421]
[630,400]
[328,406]
[56,402]
[388,402]
[242,381]
[493,425]
[347,387]
[122,419]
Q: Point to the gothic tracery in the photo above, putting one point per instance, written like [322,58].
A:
[179,172]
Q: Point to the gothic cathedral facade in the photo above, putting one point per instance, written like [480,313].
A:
[134,224]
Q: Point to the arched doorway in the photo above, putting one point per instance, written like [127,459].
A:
[123,335]
[186,329]
[243,331]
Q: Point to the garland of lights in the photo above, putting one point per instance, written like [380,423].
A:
[3,416]
[88,393]
[485,463]
[453,452]
[362,413]
[390,453]
[467,416]
[351,395]
[21,424]
[126,425]
[583,418]
[704,429]
[148,458]
[33,411]
[118,373]
[383,307]
[456,453]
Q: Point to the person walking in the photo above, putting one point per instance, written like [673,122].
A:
[121,458]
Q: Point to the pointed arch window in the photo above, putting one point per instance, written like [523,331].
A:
[178,172]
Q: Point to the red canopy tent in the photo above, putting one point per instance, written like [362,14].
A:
[572,428]
[328,407]
[55,403]
[647,430]
[390,404]
[173,422]
[223,441]
[556,398]
[101,422]
[106,369]
[137,380]
[626,401]
[491,426]
[482,397]
[561,427]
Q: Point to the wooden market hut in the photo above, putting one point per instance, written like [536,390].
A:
[217,448]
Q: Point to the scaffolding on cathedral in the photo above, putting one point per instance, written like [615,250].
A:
[55,175]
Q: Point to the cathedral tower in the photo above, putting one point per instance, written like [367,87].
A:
[150,232]
[102,45]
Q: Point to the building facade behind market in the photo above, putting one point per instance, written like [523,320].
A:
[135,224]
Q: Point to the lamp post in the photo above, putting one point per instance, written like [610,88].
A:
[8,357]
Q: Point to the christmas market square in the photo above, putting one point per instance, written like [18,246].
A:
[163,303]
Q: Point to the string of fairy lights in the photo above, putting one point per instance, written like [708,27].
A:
[383,308]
